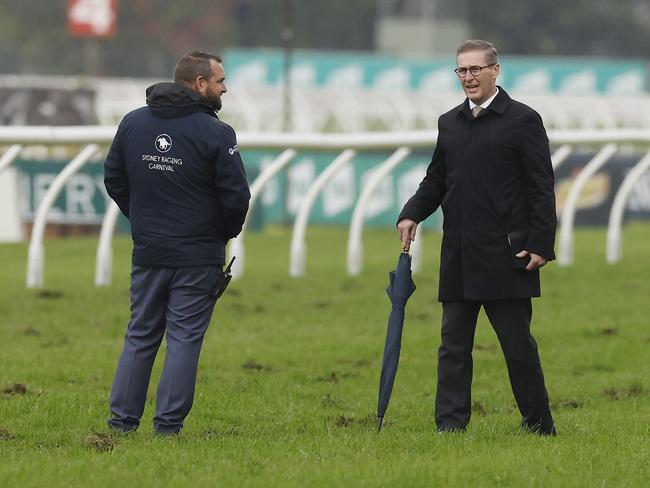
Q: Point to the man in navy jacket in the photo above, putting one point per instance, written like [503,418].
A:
[175,171]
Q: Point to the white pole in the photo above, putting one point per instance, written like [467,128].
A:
[9,156]
[298,246]
[560,155]
[236,247]
[565,254]
[614,229]
[35,259]
[355,245]
[104,262]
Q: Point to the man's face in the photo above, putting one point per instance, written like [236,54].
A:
[215,86]
[478,88]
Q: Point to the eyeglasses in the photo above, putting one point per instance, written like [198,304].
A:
[474,70]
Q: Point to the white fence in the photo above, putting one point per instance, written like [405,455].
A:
[353,109]
[92,138]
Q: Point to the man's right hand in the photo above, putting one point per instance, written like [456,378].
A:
[406,229]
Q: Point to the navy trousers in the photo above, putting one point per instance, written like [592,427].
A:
[511,322]
[175,301]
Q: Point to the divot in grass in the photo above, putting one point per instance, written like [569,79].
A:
[50,294]
[632,391]
[100,442]
[6,434]
[16,389]
[254,365]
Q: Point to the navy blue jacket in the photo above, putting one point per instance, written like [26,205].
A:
[175,171]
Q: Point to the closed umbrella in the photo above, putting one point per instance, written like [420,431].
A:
[399,290]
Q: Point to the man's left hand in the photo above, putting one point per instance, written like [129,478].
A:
[536,261]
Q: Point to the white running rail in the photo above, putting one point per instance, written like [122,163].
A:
[104,262]
[565,254]
[36,258]
[355,246]
[9,156]
[236,245]
[18,138]
[298,244]
[614,228]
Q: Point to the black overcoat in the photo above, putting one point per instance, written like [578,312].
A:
[493,177]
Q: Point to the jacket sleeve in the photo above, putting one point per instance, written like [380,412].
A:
[431,191]
[231,185]
[539,184]
[116,179]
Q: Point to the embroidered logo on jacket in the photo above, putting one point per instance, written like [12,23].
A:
[163,143]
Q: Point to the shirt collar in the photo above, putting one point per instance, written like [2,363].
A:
[485,103]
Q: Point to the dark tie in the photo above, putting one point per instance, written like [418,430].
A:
[476,111]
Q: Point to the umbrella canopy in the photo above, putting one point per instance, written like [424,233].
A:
[399,290]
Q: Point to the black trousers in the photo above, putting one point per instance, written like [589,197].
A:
[511,321]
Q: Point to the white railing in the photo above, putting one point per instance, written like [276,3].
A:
[400,142]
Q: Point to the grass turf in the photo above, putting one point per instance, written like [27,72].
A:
[288,377]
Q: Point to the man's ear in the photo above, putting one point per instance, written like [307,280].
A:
[198,84]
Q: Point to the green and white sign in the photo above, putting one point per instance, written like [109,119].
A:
[569,76]
[84,199]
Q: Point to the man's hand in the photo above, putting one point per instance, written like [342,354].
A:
[406,229]
[536,261]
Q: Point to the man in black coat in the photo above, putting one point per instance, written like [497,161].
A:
[175,171]
[491,173]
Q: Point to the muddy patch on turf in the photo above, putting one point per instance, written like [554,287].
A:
[15,389]
[334,377]
[255,366]
[482,409]
[565,403]
[100,442]
[50,294]
[608,331]
[345,422]
[6,434]
[631,391]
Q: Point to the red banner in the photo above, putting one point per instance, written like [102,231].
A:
[92,18]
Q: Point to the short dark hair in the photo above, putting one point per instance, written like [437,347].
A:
[479,45]
[192,65]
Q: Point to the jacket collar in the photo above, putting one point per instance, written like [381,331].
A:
[176,98]
[498,105]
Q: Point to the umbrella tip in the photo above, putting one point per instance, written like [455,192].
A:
[379,421]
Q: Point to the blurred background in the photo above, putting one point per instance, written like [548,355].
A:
[343,65]
[302,67]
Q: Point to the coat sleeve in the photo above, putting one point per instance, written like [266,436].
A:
[539,185]
[116,179]
[231,185]
[431,191]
